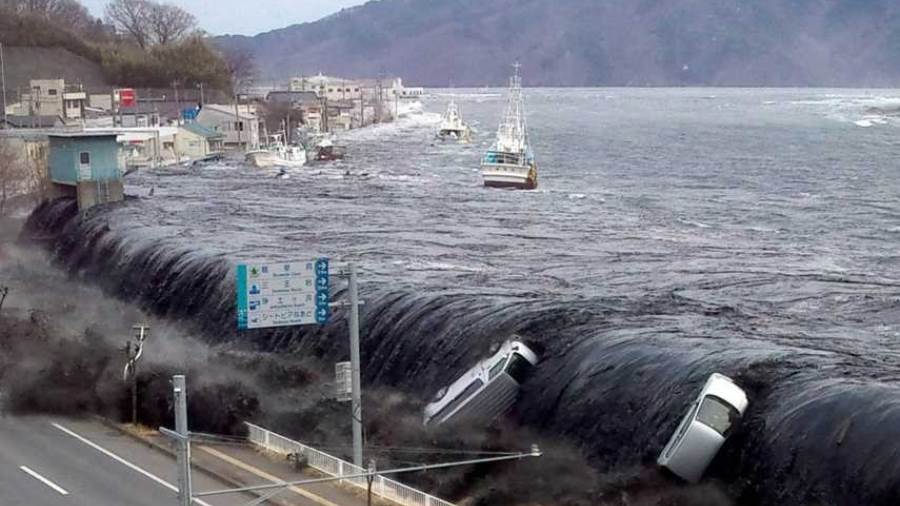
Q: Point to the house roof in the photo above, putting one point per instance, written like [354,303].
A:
[70,135]
[197,128]
[282,97]
[227,109]
[32,121]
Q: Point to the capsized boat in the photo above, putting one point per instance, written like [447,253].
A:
[452,126]
[275,153]
[509,163]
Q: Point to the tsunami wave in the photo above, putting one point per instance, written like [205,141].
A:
[617,371]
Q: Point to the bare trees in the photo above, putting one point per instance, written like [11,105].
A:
[241,68]
[69,13]
[169,23]
[150,23]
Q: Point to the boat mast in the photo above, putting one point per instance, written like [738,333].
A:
[512,133]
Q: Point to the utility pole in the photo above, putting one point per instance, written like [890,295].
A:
[201,94]
[3,83]
[177,101]
[184,448]
[356,399]
[237,119]
[141,332]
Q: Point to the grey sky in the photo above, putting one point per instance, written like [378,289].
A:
[248,18]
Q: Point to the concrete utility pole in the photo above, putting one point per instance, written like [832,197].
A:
[184,448]
[356,399]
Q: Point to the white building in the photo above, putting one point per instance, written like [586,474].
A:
[239,126]
[339,88]
[52,97]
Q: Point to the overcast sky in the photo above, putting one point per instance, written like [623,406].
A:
[248,18]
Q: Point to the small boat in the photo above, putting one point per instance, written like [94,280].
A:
[327,150]
[452,126]
[275,153]
[509,163]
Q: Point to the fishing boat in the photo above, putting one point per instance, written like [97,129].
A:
[452,126]
[326,150]
[509,163]
[275,153]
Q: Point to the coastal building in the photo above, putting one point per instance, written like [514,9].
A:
[52,97]
[294,98]
[85,165]
[340,88]
[239,126]
[196,141]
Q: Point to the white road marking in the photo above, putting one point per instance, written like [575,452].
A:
[124,462]
[43,480]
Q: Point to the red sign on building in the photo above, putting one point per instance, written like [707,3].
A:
[127,97]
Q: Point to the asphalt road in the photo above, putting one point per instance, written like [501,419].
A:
[47,462]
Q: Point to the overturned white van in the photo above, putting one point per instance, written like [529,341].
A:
[710,419]
[487,390]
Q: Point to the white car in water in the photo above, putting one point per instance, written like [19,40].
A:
[710,419]
[487,390]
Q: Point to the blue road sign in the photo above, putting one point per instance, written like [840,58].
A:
[283,294]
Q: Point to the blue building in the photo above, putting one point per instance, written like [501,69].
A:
[86,166]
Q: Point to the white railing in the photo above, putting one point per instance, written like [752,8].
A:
[382,487]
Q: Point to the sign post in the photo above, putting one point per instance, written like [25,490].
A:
[298,293]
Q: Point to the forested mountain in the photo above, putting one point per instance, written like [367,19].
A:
[594,42]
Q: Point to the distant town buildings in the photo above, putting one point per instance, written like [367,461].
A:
[85,140]
[345,103]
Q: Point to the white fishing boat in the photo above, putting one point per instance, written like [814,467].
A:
[275,153]
[452,126]
[509,163]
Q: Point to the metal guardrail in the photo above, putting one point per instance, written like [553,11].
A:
[382,487]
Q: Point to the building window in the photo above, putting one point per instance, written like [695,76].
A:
[51,91]
[85,158]
[239,126]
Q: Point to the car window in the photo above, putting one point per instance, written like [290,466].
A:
[519,368]
[497,368]
[718,415]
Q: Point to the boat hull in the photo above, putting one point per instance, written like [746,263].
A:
[453,135]
[267,159]
[509,176]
